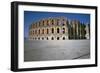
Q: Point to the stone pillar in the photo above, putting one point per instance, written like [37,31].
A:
[87,32]
[77,29]
[73,30]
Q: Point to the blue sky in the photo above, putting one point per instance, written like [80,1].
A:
[33,16]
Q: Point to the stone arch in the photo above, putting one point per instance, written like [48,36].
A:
[52,38]
[52,30]
[63,30]
[43,22]
[47,31]
[38,38]
[39,31]
[52,21]
[42,38]
[35,31]
[63,38]
[58,30]
[58,38]
[42,31]
[35,38]
[47,38]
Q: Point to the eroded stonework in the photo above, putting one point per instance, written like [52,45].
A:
[58,28]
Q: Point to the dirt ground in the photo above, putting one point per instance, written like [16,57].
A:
[36,50]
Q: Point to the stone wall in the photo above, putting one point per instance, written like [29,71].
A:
[59,28]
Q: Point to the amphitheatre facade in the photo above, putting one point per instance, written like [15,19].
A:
[58,28]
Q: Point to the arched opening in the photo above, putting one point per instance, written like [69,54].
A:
[63,38]
[47,38]
[52,38]
[42,38]
[47,31]
[35,31]
[42,31]
[63,22]
[52,21]
[57,30]
[57,38]
[39,31]
[38,38]
[43,22]
[63,30]
[52,30]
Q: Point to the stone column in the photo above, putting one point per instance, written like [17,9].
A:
[87,31]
